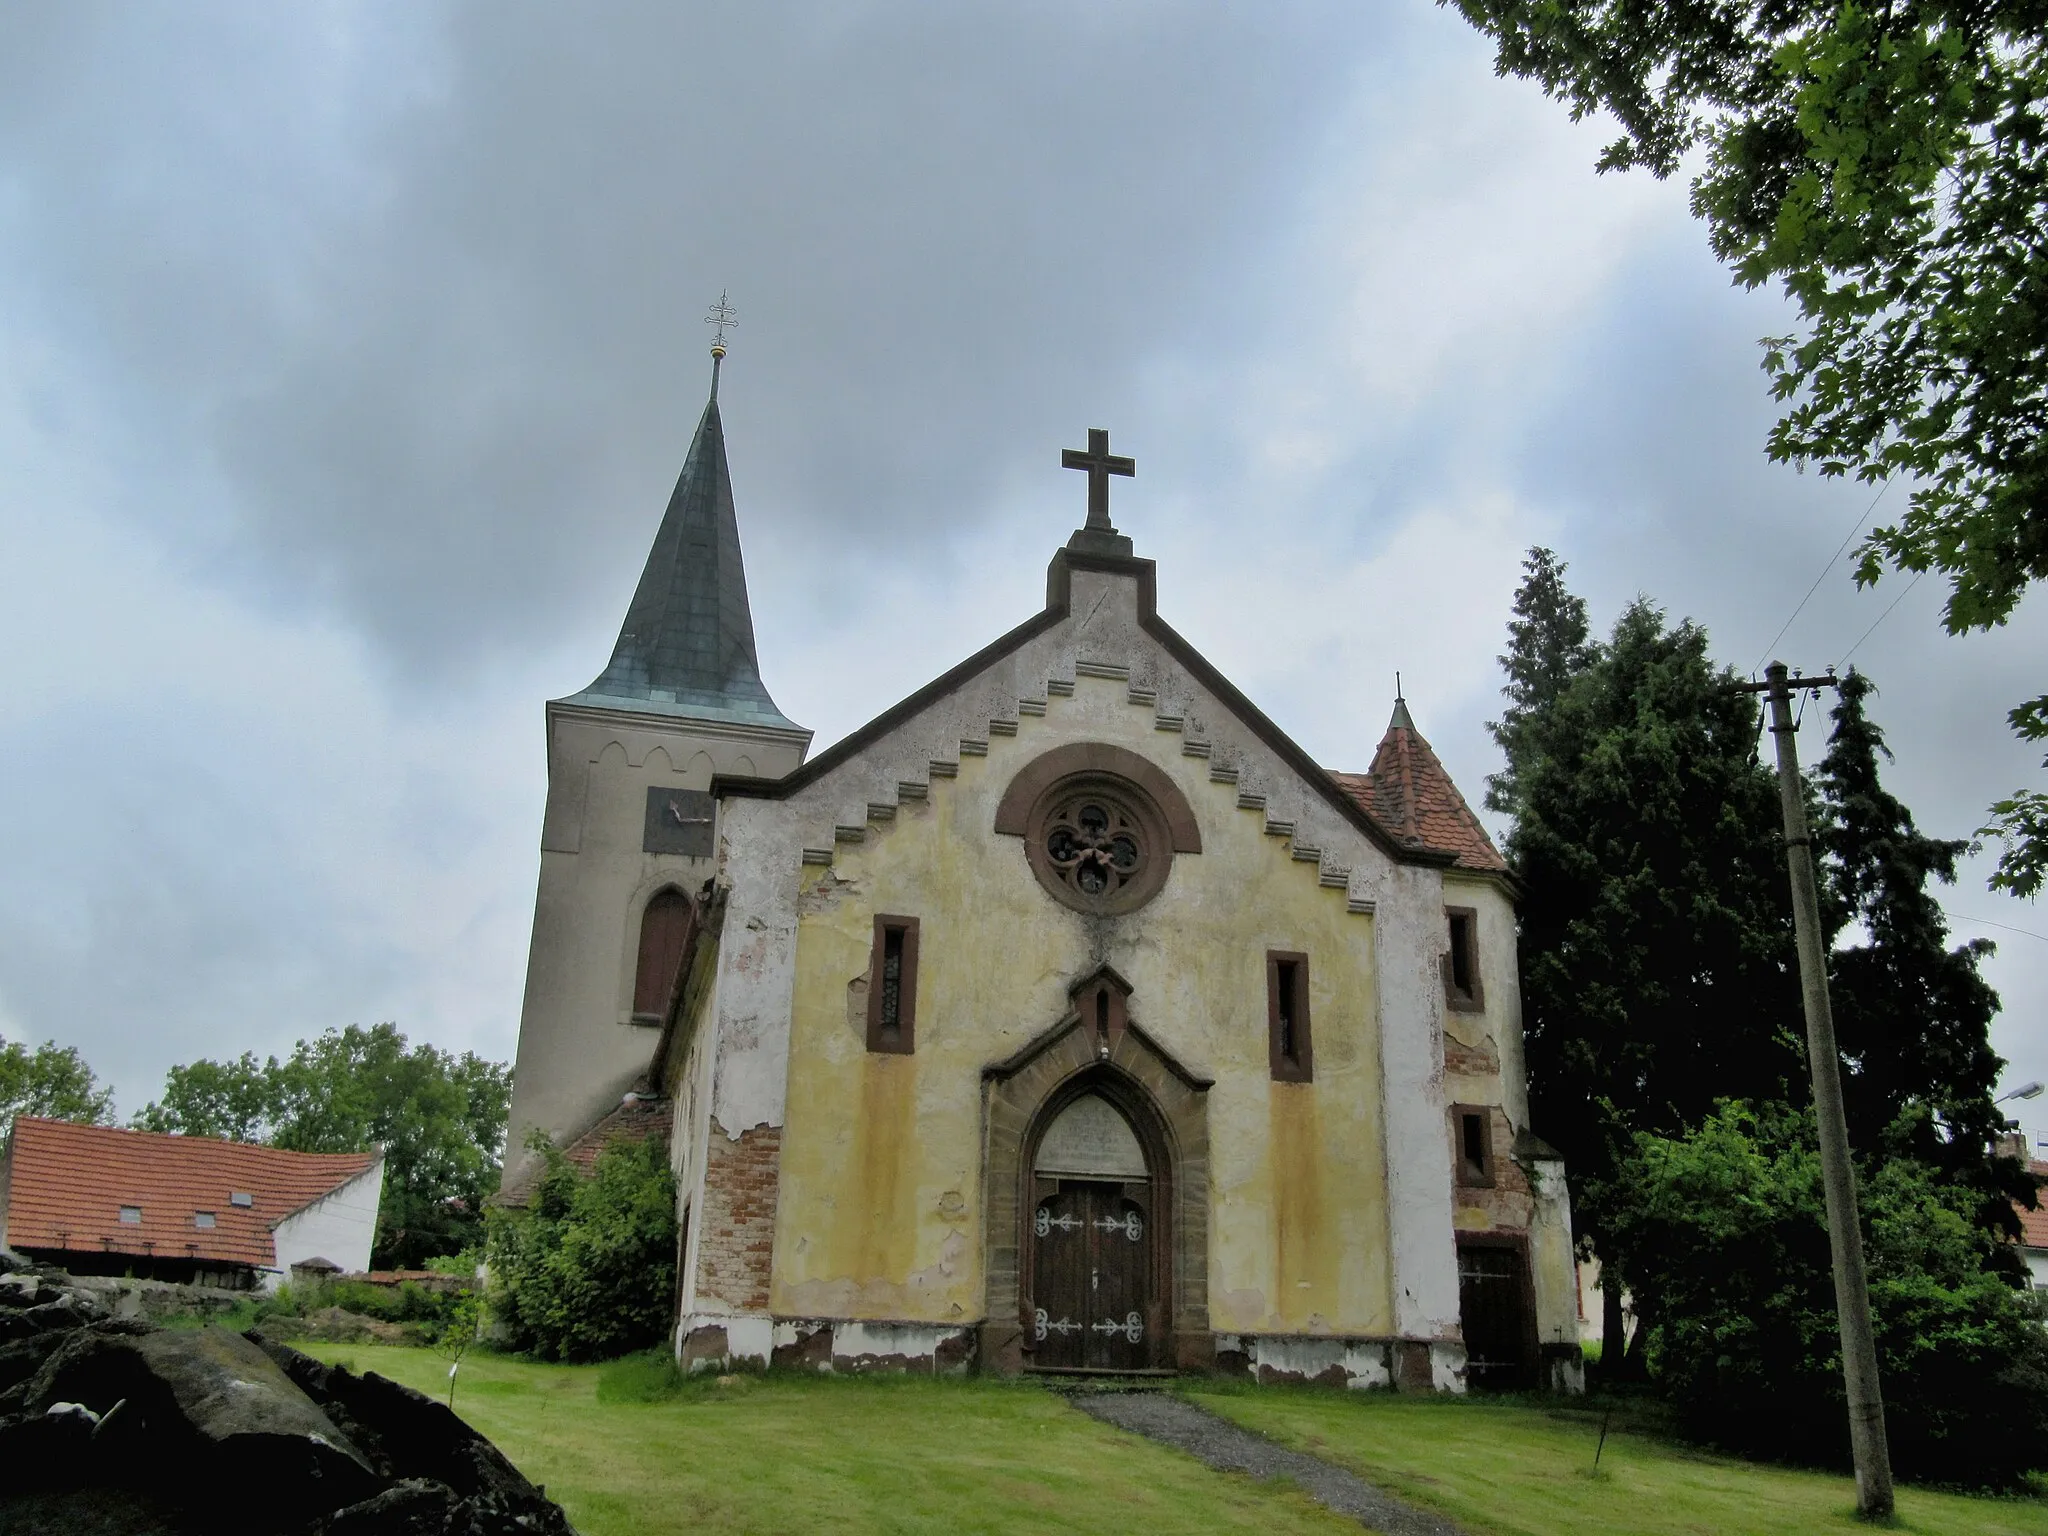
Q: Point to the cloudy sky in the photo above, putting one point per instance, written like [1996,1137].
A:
[348,355]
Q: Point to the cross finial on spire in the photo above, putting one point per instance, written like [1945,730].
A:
[1100,464]
[721,315]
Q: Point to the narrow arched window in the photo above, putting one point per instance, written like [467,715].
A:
[664,929]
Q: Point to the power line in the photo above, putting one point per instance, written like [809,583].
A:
[1880,619]
[1957,917]
[1861,518]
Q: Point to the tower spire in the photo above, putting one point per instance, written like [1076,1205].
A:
[687,646]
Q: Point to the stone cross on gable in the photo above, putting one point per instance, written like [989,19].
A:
[1100,464]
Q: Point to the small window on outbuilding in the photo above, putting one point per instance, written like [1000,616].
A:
[1462,988]
[131,1215]
[664,929]
[1472,1125]
[242,1197]
[1290,1050]
[892,986]
[202,1220]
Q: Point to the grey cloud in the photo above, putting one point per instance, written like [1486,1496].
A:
[439,341]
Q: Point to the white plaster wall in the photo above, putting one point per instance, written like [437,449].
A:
[2037,1267]
[1555,1276]
[749,1038]
[579,1048]
[340,1226]
[1413,939]
[761,852]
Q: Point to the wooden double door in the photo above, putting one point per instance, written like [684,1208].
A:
[1493,1307]
[1091,1305]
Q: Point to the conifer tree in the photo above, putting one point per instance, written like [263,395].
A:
[1547,648]
[1656,931]
[1912,1015]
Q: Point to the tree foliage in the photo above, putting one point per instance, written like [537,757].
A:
[1888,165]
[1727,1228]
[1548,646]
[1656,930]
[1912,1015]
[440,1118]
[51,1081]
[588,1270]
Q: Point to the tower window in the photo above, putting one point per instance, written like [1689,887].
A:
[1474,1127]
[664,933]
[1290,1051]
[892,986]
[1462,988]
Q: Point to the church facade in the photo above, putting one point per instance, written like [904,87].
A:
[1065,1017]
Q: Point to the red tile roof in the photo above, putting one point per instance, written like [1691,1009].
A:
[67,1183]
[2035,1223]
[1408,792]
[637,1117]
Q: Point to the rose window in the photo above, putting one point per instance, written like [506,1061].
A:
[1099,846]
[1095,845]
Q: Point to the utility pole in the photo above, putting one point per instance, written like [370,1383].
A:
[1845,1236]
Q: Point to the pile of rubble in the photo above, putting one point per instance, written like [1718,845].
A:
[119,1427]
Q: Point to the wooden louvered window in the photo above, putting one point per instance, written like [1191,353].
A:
[892,986]
[664,930]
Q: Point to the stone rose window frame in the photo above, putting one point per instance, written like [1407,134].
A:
[1100,826]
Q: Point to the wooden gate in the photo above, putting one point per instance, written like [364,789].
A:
[1493,1307]
[1091,1266]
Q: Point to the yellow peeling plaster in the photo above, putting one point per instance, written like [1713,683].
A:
[879,1212]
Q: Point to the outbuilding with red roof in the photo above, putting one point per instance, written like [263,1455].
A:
[99,1200]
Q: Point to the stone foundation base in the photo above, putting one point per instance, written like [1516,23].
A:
[824,1344]
[706,1342]
[1409,1365]
[1564,1368]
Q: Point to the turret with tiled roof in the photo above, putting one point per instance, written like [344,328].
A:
[1409,793]
[687,646]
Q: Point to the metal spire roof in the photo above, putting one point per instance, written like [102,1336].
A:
[687,646]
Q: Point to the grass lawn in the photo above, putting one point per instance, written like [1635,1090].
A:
[909,1454]
[1519,1470]
[801,1454]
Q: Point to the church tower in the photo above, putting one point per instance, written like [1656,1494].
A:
[630,829]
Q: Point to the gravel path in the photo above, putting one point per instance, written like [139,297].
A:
[1179,1423]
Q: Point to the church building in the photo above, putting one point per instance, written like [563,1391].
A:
[1067,1016]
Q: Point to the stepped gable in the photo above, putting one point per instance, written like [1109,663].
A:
[67,1184]
[1408,792]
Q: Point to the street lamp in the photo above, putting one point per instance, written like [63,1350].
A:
[2024,1091]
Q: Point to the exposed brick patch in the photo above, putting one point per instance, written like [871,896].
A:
[736,1251]
[1469,1060]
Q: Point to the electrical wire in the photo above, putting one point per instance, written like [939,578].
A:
[1861,518]
[1880,619]
[1957,917]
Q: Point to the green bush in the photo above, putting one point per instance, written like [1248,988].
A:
[588,1270]
[1722,1238]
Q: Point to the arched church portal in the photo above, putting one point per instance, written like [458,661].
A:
[1092,1279]
[1097,1198]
